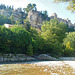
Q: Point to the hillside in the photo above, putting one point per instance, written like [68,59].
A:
[35,17]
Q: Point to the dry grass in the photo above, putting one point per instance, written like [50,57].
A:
[34,69]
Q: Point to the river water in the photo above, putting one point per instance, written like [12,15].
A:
[71,63]
[38,68]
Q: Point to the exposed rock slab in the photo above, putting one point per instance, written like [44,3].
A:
[45,57]
[36,18]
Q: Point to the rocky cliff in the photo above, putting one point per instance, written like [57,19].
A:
[17,14]
[66,21]
[36,18]
[6,12]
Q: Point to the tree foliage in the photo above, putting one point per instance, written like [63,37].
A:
[4,19]
[27,25]
[14,40]
[55,29]
[54,32]
[2,6]
[70,39]
[27,40]
[69,42]
[30,7]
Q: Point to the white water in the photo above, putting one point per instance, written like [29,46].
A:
[49,63]
[57,63]
[71,63]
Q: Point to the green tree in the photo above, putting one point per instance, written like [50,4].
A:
[20,39]
[15,40]
[45,12]
[69,42]
[2,6]
[5,39]
[4,19]
[17,22]
[30,7]
[55,28]
[29,50]
[54,33]
[27,25]
[37,41]
[70,38]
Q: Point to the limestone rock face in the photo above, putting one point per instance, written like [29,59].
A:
[45,57]
[66,21]
[36,18]
[6,12]
[17,14]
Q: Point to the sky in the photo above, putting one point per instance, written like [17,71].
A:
[49,5]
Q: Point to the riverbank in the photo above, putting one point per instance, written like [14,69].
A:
[12,59]
[23,57]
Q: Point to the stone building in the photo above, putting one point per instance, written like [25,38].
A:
[8,25]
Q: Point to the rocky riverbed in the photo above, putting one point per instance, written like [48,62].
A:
[39,68]
[23,57]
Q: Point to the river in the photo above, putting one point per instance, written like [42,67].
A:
[38,68]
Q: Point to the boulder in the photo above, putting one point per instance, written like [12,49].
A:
[45,57]
[30,58]
[1,59]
